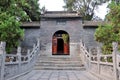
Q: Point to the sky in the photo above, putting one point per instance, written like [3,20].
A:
[102,10]
[52,5]
[57,5]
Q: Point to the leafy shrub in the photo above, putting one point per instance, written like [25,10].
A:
[10,31]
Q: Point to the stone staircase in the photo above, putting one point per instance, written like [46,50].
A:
[47,61]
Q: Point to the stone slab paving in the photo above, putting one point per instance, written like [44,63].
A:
[58,75]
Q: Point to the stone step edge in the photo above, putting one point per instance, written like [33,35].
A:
[79,65]
[61,61]
[59,68]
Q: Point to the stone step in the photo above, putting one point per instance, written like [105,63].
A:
[47,61]
[58,68]
[57,64]
[60,62]
[58,59]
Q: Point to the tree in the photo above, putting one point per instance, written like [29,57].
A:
[110,32]
[85,7]
[10,31]
[25,10]
[33,11]
[11,14]
[14,8]
[105,34]
[43,9]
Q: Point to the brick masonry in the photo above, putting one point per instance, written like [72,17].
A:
[52,21]
[47,28]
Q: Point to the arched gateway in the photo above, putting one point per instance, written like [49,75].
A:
[60,43]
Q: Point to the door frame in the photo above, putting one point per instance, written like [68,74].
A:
[66,48]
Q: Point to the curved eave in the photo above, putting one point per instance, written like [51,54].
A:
[61,17]
[93,24]
[30,25]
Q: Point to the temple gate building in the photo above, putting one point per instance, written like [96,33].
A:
[55,26]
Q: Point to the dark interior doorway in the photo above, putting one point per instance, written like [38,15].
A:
[60,46]
[60,43]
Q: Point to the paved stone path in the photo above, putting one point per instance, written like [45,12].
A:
[58,75]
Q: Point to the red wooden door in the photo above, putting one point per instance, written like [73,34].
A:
[54,46]
[66,48]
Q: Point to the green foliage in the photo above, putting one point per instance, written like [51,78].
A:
[110,32]
[85,7]
[102,59]
[69,4]
[11,14]
[10,31]
[33,11]
[106,34]
[24,10]
[109,59]
[65,37]
[107,48]
[14,8]
[114,14]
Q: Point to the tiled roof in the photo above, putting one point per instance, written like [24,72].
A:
[93,23]
[62,14]
[30,25]
[85,24]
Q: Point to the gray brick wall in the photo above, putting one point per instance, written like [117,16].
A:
[30,37]
[47,28]
[73,28]
[88,38]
